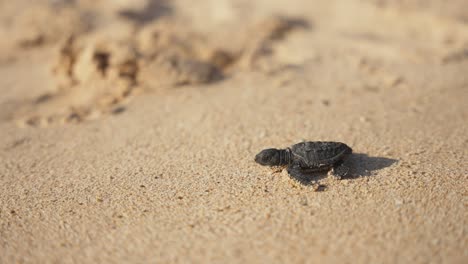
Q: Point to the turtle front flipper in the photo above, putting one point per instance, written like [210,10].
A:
[339,171]
[299,174]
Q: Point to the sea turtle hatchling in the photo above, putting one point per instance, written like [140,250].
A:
[305,158]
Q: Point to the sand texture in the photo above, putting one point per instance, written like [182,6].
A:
[128,130]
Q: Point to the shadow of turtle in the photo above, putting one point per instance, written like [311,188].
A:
[363,165]
[360,165]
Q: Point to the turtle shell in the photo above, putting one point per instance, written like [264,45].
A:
[318,154]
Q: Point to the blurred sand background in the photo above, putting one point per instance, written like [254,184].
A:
[128,130]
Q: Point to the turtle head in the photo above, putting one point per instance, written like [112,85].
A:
[269,157]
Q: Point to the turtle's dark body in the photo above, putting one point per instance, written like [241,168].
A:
[305,158]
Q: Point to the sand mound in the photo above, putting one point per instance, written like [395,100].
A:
[96,75]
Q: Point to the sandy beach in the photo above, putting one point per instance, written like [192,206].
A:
[128,130]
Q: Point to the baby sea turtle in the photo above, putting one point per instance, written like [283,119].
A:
[305,158]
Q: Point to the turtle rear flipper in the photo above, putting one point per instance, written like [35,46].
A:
[339,171]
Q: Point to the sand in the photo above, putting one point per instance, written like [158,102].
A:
[128,131]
